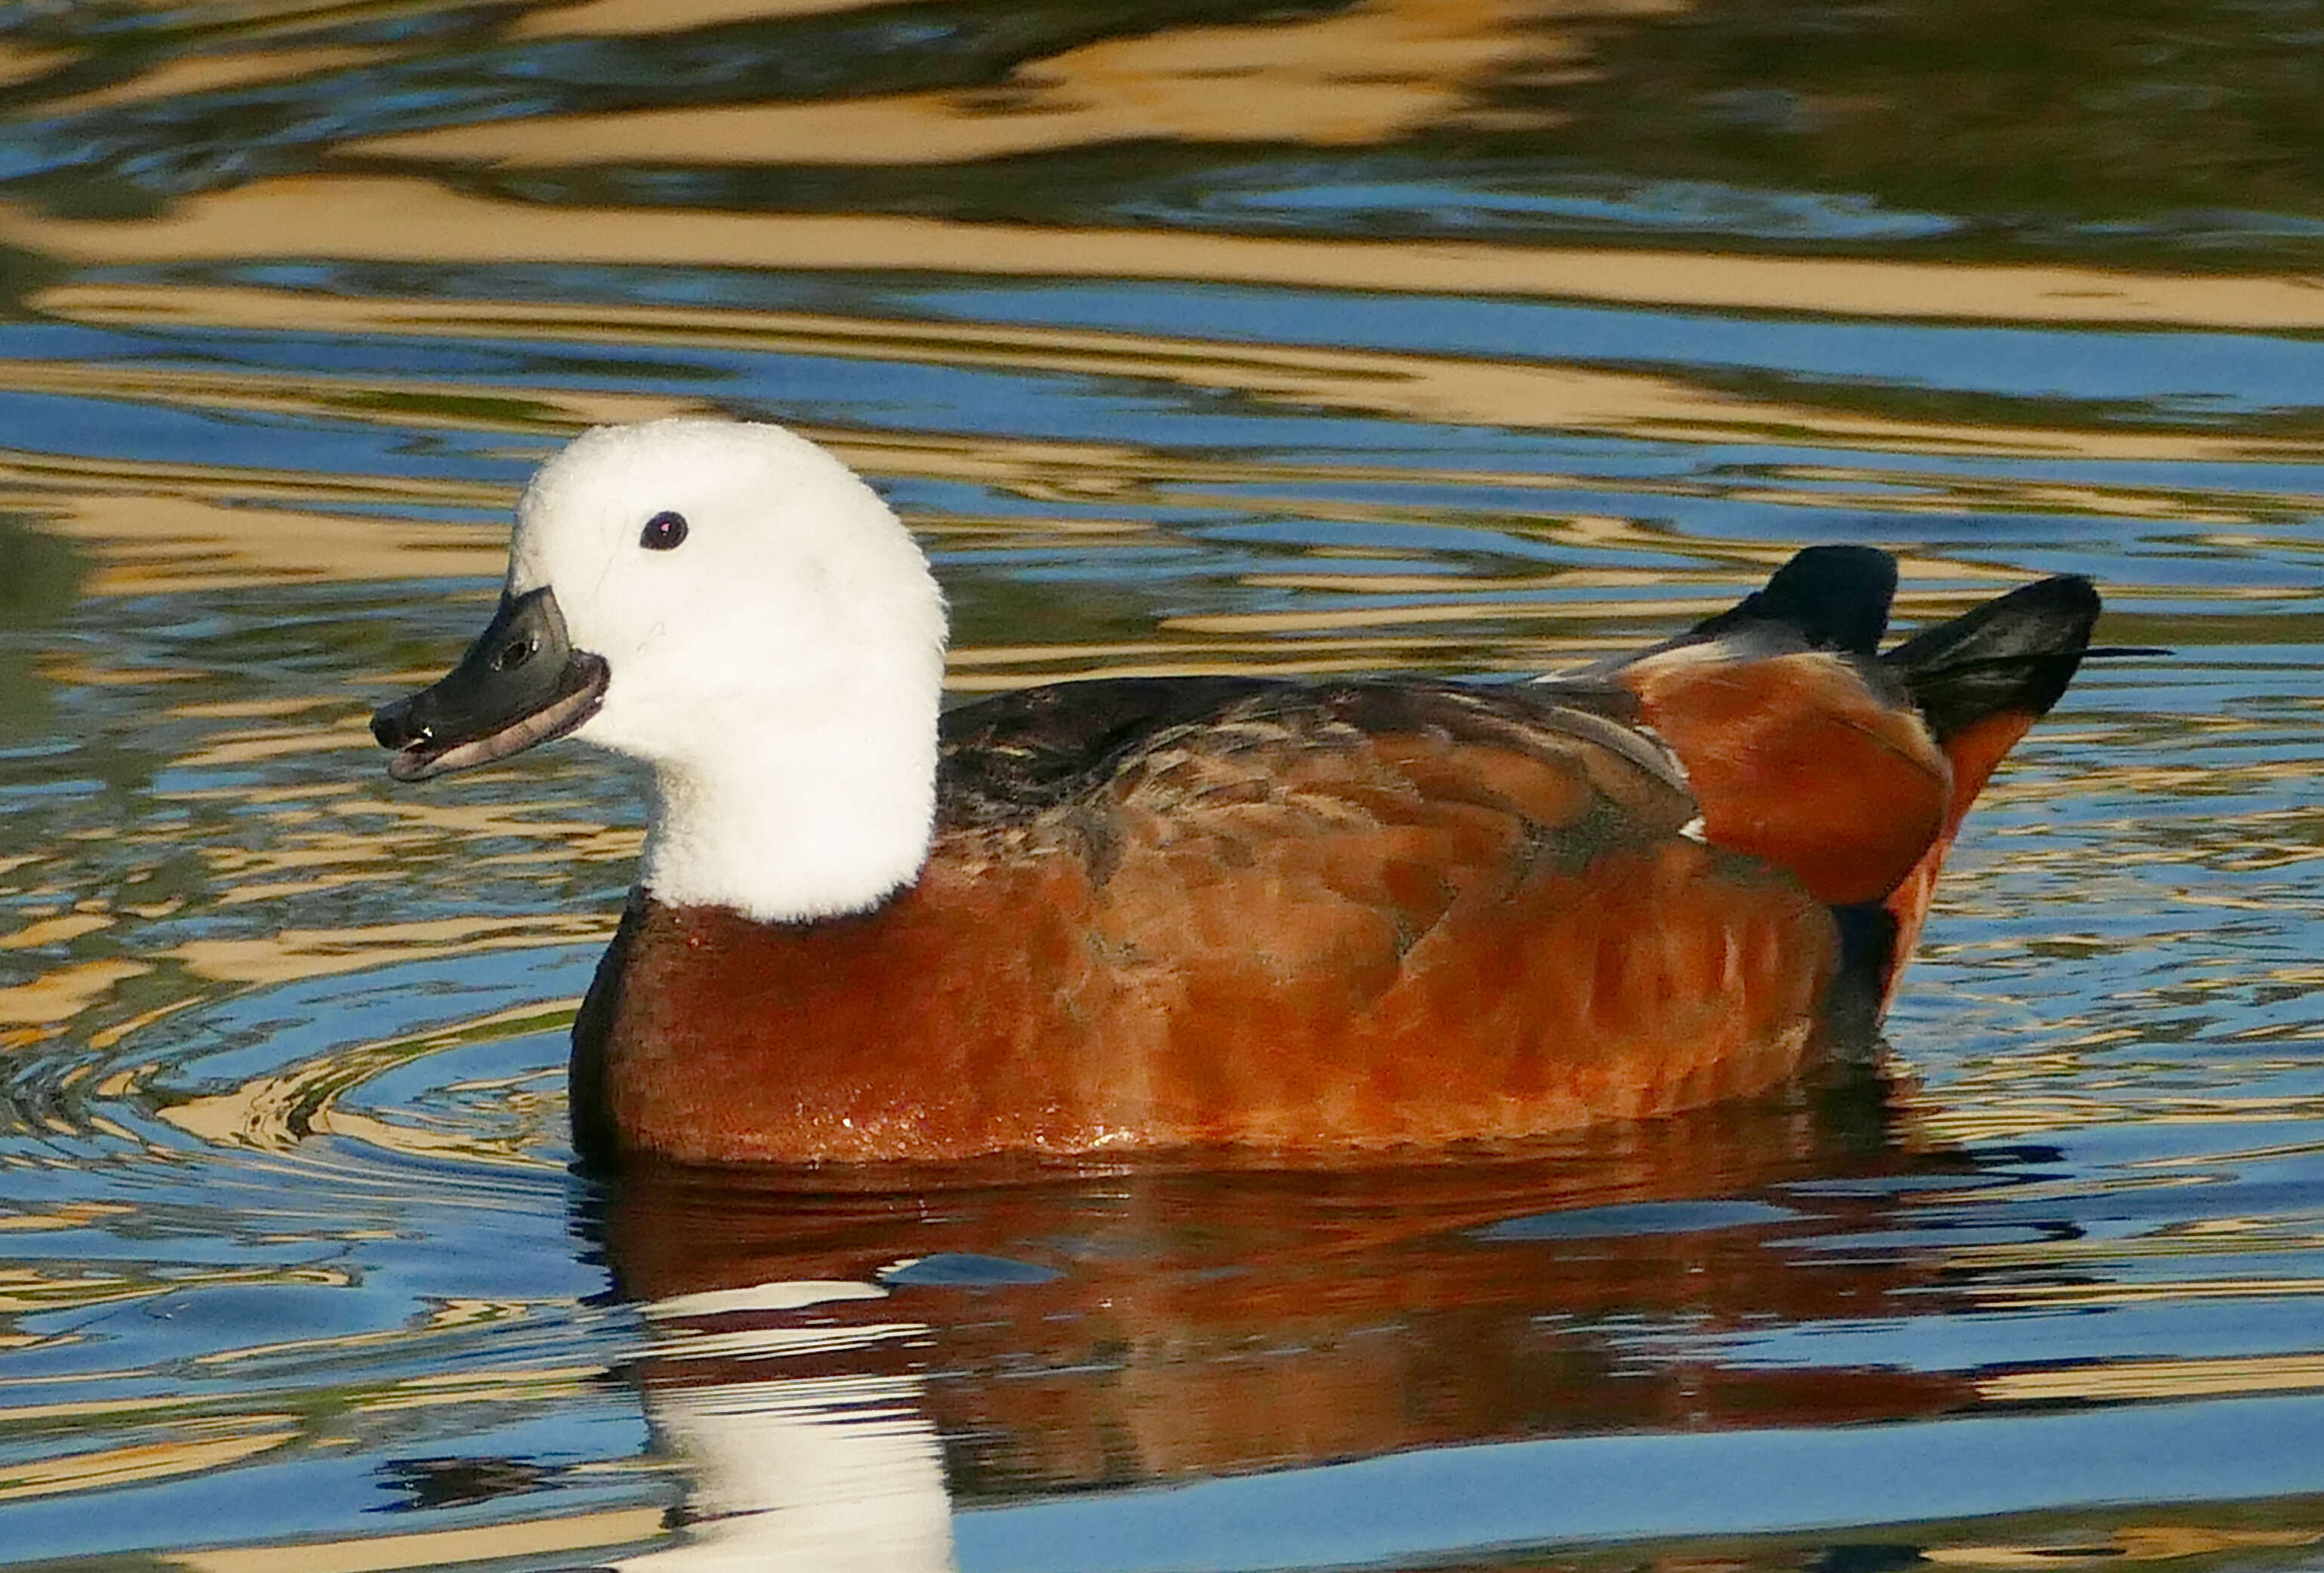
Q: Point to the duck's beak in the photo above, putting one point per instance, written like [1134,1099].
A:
[521,683]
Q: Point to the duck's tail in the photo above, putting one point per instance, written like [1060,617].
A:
[1980,680]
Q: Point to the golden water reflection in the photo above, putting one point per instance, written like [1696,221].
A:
[534,1538]
[1538,393]
[1315,80]
[395,219]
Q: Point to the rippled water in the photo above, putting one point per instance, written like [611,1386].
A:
[1465,335]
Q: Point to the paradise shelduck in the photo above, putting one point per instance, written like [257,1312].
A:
[1306,919]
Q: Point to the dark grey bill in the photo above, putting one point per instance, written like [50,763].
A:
[522,683]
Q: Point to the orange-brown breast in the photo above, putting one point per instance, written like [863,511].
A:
[1300,938]
[1796,758]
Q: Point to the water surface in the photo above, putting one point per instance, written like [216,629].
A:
[1468,336]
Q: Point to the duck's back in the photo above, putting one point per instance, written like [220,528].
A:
[1196,912]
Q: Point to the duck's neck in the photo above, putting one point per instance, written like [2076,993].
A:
[827,813]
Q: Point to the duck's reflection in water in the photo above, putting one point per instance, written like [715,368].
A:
[796,1461]
[843,1360]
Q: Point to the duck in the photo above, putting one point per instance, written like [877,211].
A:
[1304,921]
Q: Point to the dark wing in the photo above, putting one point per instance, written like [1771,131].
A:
[2013,655]
[1010,758]
[1424,911]
[1295,828]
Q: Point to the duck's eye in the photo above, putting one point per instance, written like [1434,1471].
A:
[663,530]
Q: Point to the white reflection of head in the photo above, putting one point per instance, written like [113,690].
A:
[818,1475]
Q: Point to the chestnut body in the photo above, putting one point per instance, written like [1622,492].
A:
[1317,920]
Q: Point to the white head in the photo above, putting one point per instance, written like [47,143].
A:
[777,657]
